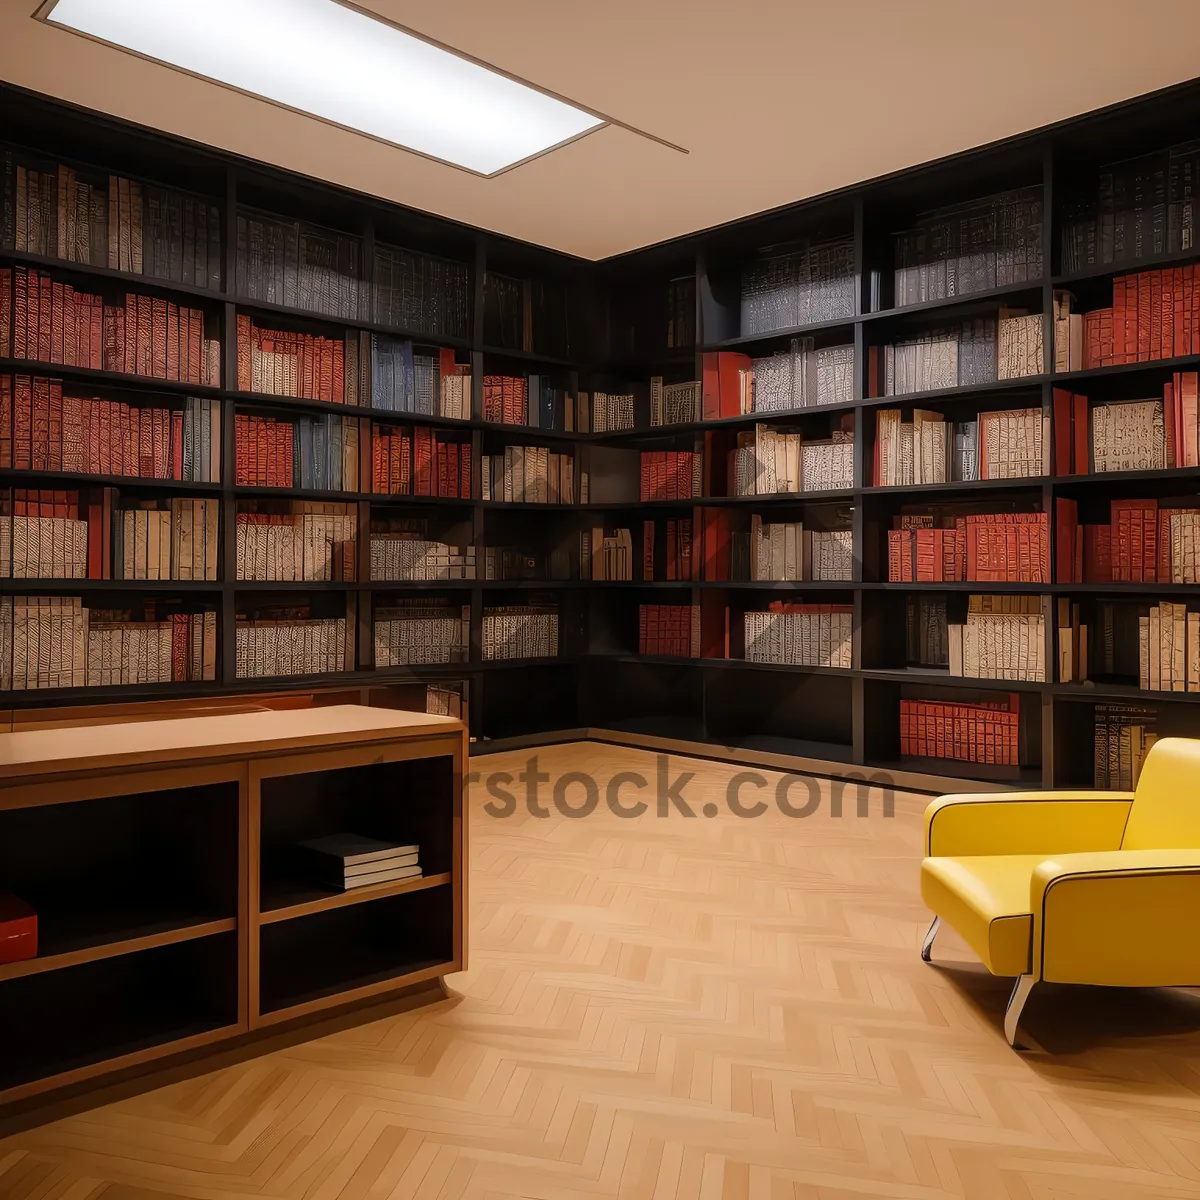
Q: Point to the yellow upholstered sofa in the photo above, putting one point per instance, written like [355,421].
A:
[1074,886]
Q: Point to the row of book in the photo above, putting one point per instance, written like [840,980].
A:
[1139,208]
[51,642]
[669,630]
[1012,547]
[526,314]
[422,293]
[1006,444]
[44,427]
[51,535]
[1169,649]
[1003,637]
[985,732]
[312,541]
[1128,435]
[109,221]
[674,403]
[515,631]
[813,283]
[395,378]
[800,377]
[770,462]
[678,561]
[669,474]
[419,462]
[422,632]
[801,635]
[46,321]
[298,265]
[531,475]
[318,452]
[990,242]
[787,551]
[973,353]
[502,563]
[406,556]
[1145,541]
[1154,315]
[286,640]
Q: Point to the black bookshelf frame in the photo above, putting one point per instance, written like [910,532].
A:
[615,331]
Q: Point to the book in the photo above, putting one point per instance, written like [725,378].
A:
[353,850]
[808,285]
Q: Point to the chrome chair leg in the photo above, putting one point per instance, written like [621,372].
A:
[1016,1002]
[927,944]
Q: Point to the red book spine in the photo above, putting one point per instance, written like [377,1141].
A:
[20,319]
[195,344]
[41,425]
[158,338]
[55,444]
[1143,316]
[57,313]
[6,421]
[70,328]
[176,444]
[6,312]
[172,342]
[45,322]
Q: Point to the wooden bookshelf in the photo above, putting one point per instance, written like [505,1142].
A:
[625,323]
[158,856]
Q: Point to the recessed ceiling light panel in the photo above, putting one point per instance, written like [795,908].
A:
[342,65]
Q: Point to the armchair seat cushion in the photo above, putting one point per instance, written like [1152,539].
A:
[986,898]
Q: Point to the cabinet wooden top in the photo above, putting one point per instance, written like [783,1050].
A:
[199,739]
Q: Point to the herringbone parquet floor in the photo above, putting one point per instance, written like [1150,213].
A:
[707,1008]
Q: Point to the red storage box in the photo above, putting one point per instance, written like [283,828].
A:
[18,930]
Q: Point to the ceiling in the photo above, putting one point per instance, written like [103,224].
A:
[775,101]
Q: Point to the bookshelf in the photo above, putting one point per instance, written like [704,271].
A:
[928,270]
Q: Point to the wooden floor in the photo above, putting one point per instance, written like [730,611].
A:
[704,1008]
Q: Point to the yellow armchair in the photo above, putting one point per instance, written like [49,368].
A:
[1074,886]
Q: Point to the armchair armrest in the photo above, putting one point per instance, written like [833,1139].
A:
[1025,823]
[1124,918]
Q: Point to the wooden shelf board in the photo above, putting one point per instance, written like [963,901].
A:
[68,949]
[284,902]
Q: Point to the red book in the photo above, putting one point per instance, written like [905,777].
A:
[1169,390]
[339,374]
[1120,350]
[464,470]
[1155,281]
[1066,534]
[179,647]
[176,444]
[195,344]
[45,323]
[710,387]
[245,335]
[20,313]
[1145,306]
[70,328]
[18,930]
[1063,440]
[648,551]
[729,367]
[716,545]
[6,307]
[158,338]
[172,364]
[422,461]
[97,334]
[54,448]
[1178,344]
[57,324]
[1083,438]
[6,421]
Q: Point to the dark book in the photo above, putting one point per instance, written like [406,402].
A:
[350,849]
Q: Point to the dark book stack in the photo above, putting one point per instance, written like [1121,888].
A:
[181,237]
[681,313]
[1123,737]
[298,265]
[927,637]
[422,632]
[1140,208]
[672,630]
[526,315]
[421,293]
[807,285]
[513,562]
[987,243]
[343,861]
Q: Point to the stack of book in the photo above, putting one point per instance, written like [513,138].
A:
[1003,638]
[672,630]
[419,462]
[1128,435]
[422,632]
[426,385]
[814,283]
[527,630]
[528,475]
[674,403]
[991,242]
[513,562]
[165,539]
[45,428]
[1123,737]
[44,537]
[927,631]
[302,540]
[307,452]
[506,399]
[306,366]
[1169,649]
[1019,345]
[343,861]
[669,475]
[299,265]
[420,292]
[801,635]
[1154,314]
[1008,444]
[611,412]
[985,732]
[1146,541]
[286,640]
[961,356]
[47,321]
[1009,547]
[406,557]
[526,314]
